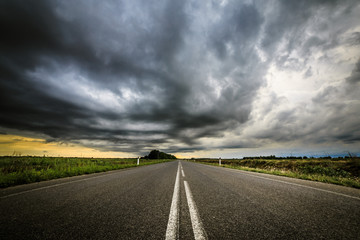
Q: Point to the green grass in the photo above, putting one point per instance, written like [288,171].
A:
[22,170]
[344,172]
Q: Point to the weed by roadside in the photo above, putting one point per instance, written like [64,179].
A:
[336,171]
[21,170]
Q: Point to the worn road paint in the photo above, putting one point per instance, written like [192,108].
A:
[173,223]
[199,232]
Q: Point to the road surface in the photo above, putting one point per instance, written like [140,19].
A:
[179,200]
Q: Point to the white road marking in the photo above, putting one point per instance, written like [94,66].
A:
[182,172]
[300,185]
[199,232]
[60,184]
[55,185]
[290,183]
[173,223]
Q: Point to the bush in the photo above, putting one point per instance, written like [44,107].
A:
[156,154]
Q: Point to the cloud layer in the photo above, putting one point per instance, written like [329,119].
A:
[181,76]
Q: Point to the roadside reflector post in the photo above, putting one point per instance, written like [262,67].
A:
[138,160]
[219,161]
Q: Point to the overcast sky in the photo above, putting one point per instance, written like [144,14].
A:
[193,78]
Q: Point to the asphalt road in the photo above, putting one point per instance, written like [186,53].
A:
[181,200]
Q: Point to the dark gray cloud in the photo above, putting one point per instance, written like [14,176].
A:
[131,76]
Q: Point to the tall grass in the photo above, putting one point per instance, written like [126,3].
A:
[337,171]
[21,170]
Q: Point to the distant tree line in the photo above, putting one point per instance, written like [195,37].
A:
[156,154]
[274,157]
[293,157]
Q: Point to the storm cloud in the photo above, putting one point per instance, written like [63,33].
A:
[181,76]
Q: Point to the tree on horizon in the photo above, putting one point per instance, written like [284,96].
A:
[156,154]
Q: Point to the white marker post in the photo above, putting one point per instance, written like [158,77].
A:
[219,161]
[138,161]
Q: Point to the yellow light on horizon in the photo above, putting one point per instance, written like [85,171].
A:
[19,145]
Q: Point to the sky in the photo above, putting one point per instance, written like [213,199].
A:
[191,78]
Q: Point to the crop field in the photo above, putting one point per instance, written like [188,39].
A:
[21,170]
[342,171]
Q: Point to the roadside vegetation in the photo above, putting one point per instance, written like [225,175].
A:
[17,170]
[156,154]
[342,171]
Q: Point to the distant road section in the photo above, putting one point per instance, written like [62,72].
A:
[179,200]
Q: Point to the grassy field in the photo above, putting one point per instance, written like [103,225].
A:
[21,170]
[343,171]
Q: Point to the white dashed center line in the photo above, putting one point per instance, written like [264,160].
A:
[199,232]
[182,172]
[172,231]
